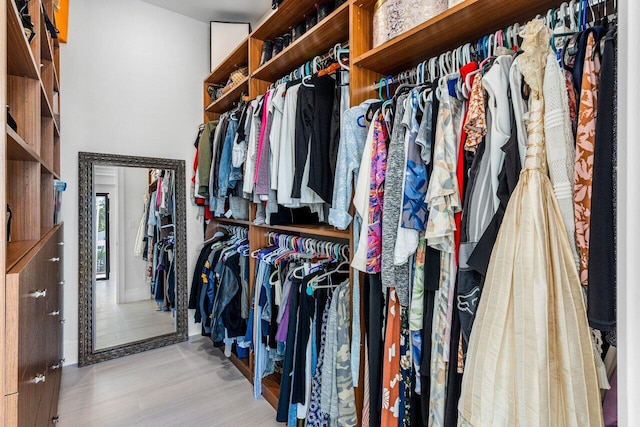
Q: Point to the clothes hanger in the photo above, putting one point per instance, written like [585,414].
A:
[305,81]
[343,65]
[314,283]
[422,100]
[380,85]
[420,73]
[572,16]
[516,34]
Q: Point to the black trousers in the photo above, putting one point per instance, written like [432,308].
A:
[304,127]
[320,175]
[313,137]
[601,292]
[374,322]
[282,415]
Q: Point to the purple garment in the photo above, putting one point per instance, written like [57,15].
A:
[281,334]
[262,171]
[610,405]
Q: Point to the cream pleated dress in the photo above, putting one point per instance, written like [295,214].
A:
[530,360]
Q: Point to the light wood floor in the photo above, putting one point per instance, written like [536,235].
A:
[187,384]
[118,324]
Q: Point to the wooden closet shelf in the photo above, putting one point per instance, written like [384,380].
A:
[56,80]
[271,388]
[461,24]
[243,366]
[46,107]
[18,149]
[46,46]
[236,59]
[232,221]
[317,41]
[319,230]
[17,250]
[288,14]
[46,168]
[21,61]
[225,102]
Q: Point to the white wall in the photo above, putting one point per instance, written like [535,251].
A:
[106,181]
[133,186]
[628,206]
[131,83]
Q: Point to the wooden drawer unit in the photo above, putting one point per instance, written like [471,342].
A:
[34,294]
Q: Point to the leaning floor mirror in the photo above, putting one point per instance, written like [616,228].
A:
[132,255]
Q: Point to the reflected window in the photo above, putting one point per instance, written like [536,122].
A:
[102,236]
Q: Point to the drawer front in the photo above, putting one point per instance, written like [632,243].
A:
[52,396]
[30,396]
[33,338]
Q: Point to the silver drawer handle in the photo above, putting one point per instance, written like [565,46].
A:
[60,243]
[38,294]
[40,378]
[54,259]
[55,313]
[58,365]
[63,320]
[61,283]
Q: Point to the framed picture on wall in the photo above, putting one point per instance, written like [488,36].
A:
[224,37]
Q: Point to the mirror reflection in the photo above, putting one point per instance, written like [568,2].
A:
[134,272]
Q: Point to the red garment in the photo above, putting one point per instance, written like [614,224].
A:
[198,200]
[460,172]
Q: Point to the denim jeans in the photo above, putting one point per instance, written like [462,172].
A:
[224,172]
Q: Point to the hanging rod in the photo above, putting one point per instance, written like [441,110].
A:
[434,66]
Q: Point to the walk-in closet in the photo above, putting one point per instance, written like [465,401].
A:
[319,213]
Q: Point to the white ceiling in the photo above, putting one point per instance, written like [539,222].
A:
[218,10]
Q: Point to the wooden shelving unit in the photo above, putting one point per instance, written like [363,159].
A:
[352,22]
[238,58]
[233,221]
[226,101]
[22,60]
[288,14]
[318,40]
[313,230]
[33,258]
[458,25]
[17,250]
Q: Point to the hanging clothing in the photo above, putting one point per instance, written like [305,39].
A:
[396,276]
[353,134]
[559,145]
[585,144]
[361,198]
[532,294]
[495,82]
[602,249]
[205,147]
[391,363]
[414,207]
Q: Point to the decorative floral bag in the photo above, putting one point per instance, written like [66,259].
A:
[394,17]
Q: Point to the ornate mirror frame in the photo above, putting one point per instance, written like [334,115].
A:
[86,353]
